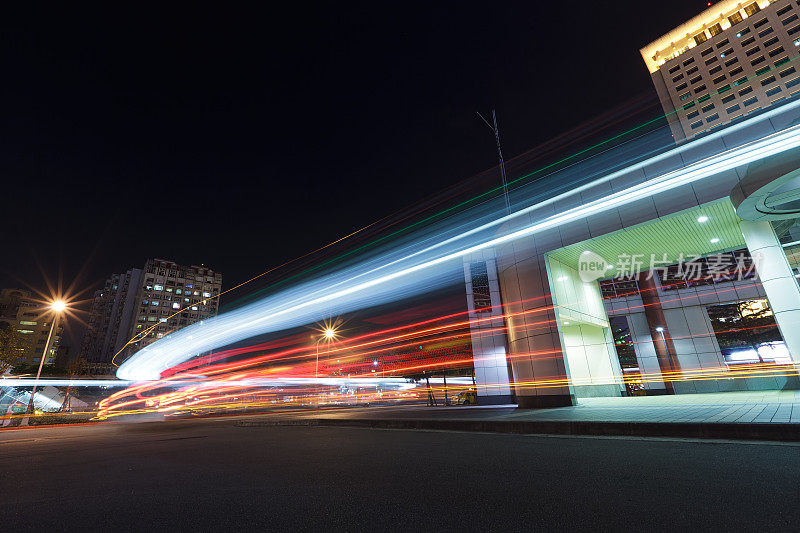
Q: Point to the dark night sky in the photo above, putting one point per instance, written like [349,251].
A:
[242,138]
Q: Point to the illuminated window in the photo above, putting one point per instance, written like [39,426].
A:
[207,295]
[151,319]
[194,308]
[700,38]
[176,305]
[735,19]
[26,323]
[716,29]
[154,303]
[25,331]
[158,287]
[178,291]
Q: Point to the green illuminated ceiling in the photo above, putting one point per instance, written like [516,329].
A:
[676,234]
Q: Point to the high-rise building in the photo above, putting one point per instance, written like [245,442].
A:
[731,59]
[144,305]
[111,317]
[31,321]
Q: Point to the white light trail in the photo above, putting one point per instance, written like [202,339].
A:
[379,281]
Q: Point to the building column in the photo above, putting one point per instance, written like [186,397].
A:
[487,330]
[777,279]
[662,340]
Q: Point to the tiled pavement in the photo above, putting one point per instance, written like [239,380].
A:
[732,407]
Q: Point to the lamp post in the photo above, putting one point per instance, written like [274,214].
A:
[328,336]
[57,307]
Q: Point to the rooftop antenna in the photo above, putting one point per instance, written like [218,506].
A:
[496,131]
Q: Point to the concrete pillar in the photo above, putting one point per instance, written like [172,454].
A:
[662,340]
[487,329]
[777,279]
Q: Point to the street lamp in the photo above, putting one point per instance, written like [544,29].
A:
[57,307]
[328,335]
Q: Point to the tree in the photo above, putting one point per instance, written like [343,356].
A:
[11,348]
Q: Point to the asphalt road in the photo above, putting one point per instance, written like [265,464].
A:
[214,474]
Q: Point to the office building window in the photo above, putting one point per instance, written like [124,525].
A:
[735,19]
[716,29]
[700,38]
[775,52]
[751,9]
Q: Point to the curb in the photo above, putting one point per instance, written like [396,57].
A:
[728,431]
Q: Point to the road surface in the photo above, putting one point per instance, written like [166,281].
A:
[219,474]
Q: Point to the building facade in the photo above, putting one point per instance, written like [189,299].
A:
[142,305]
[731,59]
[31,321]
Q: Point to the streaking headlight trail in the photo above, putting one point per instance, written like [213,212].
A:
[407,271]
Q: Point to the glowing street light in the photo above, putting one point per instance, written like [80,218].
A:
[328,336]
[57,307]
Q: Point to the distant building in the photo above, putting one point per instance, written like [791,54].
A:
[31,321]
[148,304]
[731,59]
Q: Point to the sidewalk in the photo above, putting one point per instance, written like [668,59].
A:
[762,415]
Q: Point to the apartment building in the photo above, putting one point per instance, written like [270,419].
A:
[31,321]
[143,305]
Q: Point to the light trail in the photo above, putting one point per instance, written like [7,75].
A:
[366,285]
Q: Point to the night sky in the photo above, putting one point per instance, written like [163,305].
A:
[241,138]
